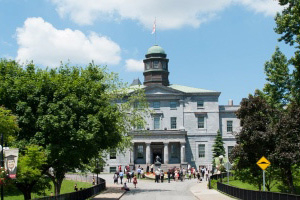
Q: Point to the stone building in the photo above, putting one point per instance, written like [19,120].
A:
[184,122]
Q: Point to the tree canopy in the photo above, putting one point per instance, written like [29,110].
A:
[69,111]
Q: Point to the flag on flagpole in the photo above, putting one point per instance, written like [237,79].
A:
[154,27]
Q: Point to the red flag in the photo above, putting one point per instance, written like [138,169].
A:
[154,27]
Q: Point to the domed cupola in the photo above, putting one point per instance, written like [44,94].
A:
[156,67]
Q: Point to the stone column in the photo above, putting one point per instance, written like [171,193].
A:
[132,153]
[182,154]
[148,153]
[166,153]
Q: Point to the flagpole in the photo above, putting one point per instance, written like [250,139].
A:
[155,30]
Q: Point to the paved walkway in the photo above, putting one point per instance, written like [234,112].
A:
[147,189]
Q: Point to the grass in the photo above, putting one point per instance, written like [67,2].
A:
[247,186]
[67,187]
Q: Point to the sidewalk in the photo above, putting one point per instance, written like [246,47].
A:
[202,192]
[112,192]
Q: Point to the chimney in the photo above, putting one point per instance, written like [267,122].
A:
[230,102]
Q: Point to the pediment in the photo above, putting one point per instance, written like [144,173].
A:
[159,89]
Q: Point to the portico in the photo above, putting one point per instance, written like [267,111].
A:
[168,145]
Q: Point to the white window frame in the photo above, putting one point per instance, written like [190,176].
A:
[202,154]
[154,125]
[140,151]
[228,127]
[172,127]
[198,117]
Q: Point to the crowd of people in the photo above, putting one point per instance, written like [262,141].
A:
[176,174]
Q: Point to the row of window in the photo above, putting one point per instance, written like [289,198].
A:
[201,150]
[173,125]
[173,104]
[174,151]
[155,65]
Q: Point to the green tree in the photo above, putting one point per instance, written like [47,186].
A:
[30,176]
[286,153]
[218,150]
[8,125]
[254,140]
[218,147]
[288,25]
[278,87]
[72,112]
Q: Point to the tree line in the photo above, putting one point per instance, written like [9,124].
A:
[270,118]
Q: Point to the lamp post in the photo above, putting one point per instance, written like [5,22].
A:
[97,168]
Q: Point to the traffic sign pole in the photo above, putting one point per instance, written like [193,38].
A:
[228,177]
[264,180]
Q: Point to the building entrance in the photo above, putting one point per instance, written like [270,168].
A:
[157,151]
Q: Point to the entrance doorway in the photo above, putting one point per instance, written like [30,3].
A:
[157,151]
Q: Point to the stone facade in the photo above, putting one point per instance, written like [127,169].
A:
[182,127]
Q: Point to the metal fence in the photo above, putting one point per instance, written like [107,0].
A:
[81,194]
[254,195]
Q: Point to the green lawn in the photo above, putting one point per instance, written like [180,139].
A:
[67,187]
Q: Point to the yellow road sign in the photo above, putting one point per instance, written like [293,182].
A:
[263,163]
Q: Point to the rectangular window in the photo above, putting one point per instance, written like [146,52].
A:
[173,104]
[201,149]
[140,151]
[173,122]
[112,169]
[174,151]
[156,123]
[200,104]
[156,104]
[113,154]
[200,122]
[229,126]
[155,64]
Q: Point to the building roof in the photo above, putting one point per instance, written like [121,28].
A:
[156,49]
[181,88]
[187,89]
[136,82]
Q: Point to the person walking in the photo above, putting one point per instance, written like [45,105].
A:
[190,175]
[121,174]
[169,175]
[162,176]
[134,181]
[206,174]
[152,168]
[94,180]
[198,177]
[157,174]
[139,172]
[116,177]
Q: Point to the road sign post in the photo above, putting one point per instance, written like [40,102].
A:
[263,163]
[228,167]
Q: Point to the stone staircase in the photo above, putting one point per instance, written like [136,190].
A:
[164,167]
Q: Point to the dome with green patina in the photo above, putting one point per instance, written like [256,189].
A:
[155,50]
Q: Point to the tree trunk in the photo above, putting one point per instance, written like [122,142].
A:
[289,179]
[26,190]
[57,185]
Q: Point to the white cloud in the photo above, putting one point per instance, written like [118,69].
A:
[134,65]
[44,44]
[171,14]
[267,7]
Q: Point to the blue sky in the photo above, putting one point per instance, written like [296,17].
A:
[218,45]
